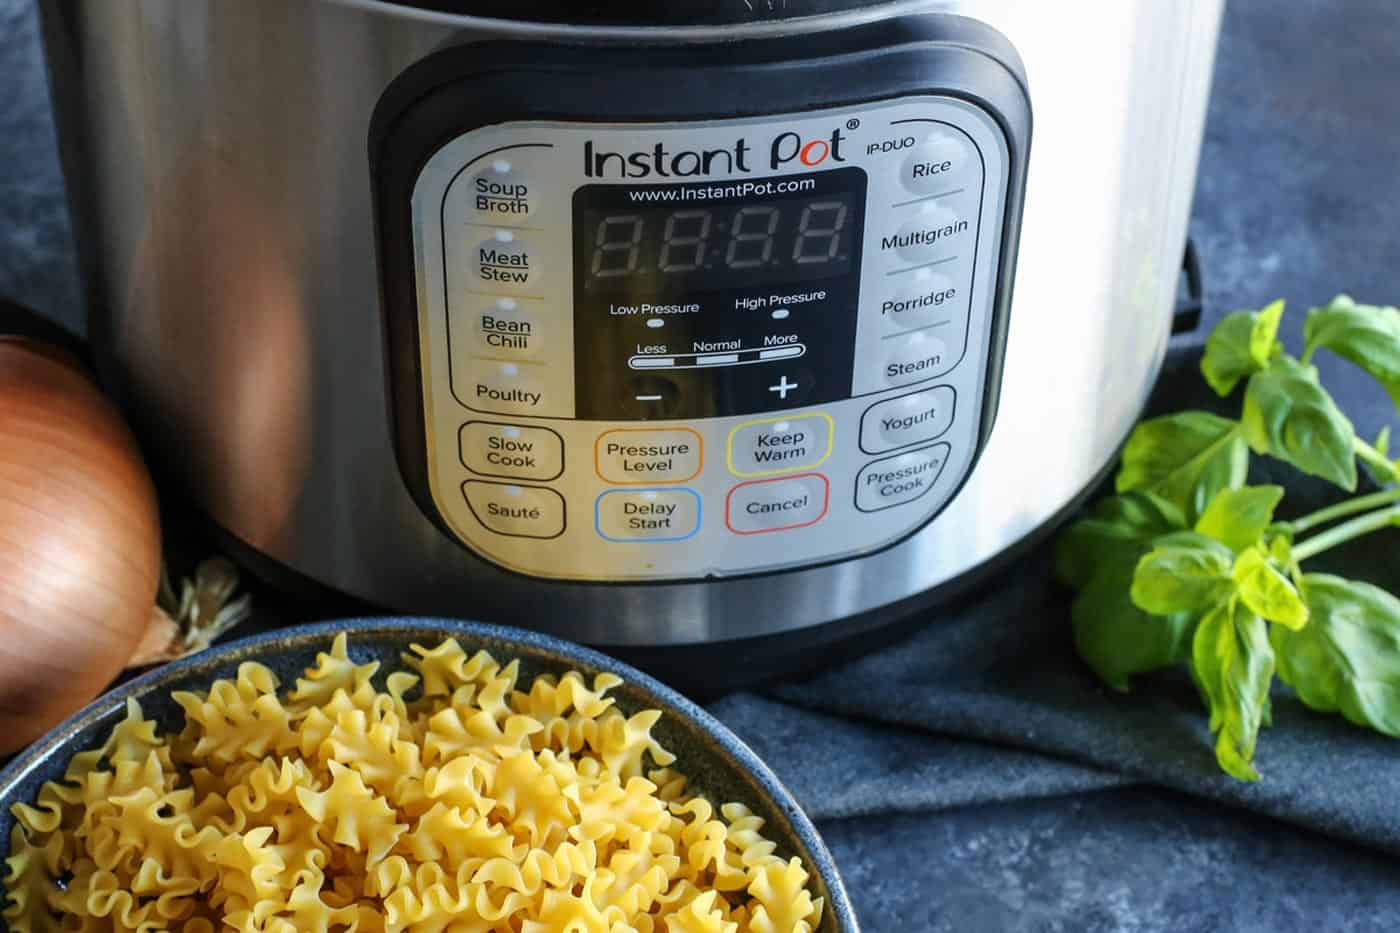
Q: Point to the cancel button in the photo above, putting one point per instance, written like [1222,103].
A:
[777,504]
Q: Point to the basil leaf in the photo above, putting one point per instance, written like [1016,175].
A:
[1347,659]
[1263,338]
[1366,336]
[1184,572]
[1117,639]
[1234,665]
[1118,528]
[1185,458]
[1267,592]
[1227,358]
[1289,415]
[1238,518]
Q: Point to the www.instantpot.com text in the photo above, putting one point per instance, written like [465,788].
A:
[713,192]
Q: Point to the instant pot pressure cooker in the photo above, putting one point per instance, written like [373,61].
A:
[744,325]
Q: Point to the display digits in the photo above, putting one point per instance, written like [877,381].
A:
[691,245]
[751,226]
[819,232]
[619,246]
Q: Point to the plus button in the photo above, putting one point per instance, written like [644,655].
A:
[783,388]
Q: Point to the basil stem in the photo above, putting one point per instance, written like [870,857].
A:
[1363,525]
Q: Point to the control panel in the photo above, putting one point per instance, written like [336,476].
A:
[699,349]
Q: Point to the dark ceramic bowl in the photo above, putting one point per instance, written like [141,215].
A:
[717,763]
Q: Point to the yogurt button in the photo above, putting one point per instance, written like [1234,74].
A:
[896,481]
[907,420]
[918,356]
[939,163]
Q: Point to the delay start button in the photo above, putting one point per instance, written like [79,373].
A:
[643,456]
[901,479]
[768,505]
[648,514]
[908,419]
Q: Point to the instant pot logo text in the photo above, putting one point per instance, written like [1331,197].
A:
[786,150]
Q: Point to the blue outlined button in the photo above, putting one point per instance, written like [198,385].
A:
[670,514]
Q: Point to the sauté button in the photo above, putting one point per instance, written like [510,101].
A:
[935,232]
[642,456]
[505,330]
[915,357]
[900,480]
[505,263]
[767,505]
[516,511]
[908,419]
[938,164]
[780,445]
[512,451]
[504,388]
[648,514]
[923,298]
[501,193]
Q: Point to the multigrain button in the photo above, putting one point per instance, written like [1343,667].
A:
[648,514]
[922,298]
[512,451]
[907,420]
[506,263]
[645,456]
[915,357]
[768,505]
[899,480]
[934,233]
[780,445]
[502,193]
[505,388]
[939,164]
[515,511]
[504,330]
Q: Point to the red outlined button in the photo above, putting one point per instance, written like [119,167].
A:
[767,505]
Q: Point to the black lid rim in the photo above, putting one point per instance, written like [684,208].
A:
[640,13]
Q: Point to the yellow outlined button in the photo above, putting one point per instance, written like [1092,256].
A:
[788,444]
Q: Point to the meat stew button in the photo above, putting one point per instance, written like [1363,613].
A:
[648,514]
[516,511]
[767,505]
[900,479]
[907,420]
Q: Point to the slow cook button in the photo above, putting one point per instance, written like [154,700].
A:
[907,420]
[512,451]
[915,357]
[642,456]
[767,505]
[648,514]
[505,388]
[900,480]
[938,164]
[504,330]
[516,511]
[780,445]
[505,263]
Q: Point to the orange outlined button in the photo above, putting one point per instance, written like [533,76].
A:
[648,456]
[765,505]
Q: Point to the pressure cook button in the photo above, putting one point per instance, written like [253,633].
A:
[936,233]
[505,263]
[899,480]
[780,445]
[923,298]
[648,514]
[505,330]
[640,456]
[907,420]
[501,193]
[939,163]
[505,388]
[767,505]
[516,511]
[915,357]
[512,451]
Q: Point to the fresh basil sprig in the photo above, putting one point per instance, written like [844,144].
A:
[1187,564]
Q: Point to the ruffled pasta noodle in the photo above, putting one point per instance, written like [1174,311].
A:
[446,801]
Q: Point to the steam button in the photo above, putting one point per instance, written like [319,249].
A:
[915,357]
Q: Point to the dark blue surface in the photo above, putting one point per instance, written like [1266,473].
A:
[976,777]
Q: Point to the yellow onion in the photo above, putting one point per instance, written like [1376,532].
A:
[79,541]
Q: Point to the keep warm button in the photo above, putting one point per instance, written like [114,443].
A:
[785,504]
[642,456]
[780,445]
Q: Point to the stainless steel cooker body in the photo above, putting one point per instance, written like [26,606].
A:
[226,205]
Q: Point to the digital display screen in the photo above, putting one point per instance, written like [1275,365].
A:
[682,247]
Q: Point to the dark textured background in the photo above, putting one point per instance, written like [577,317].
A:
[1046,804]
